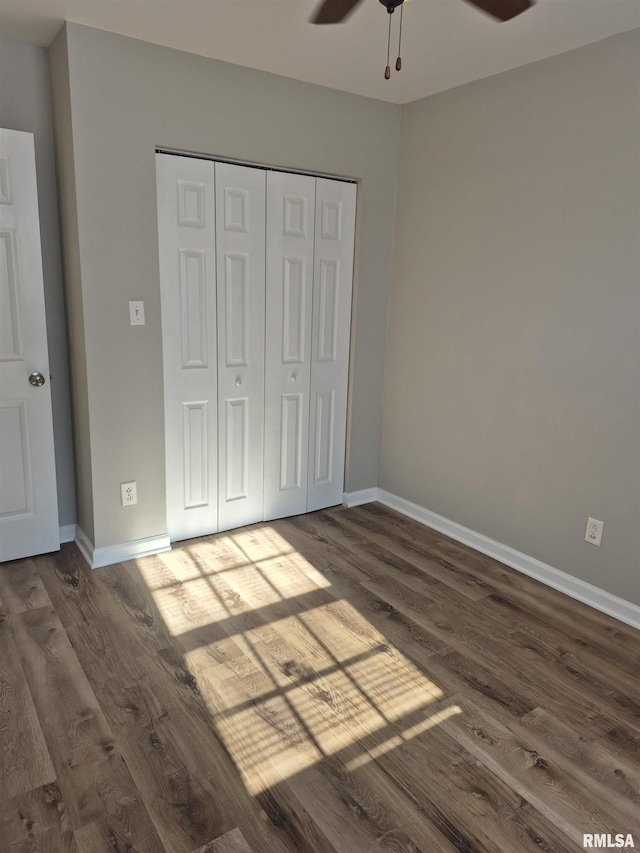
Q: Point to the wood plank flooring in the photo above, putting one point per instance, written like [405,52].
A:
[342,682]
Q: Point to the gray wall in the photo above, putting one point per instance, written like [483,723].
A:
[25,105]
[512,386]
[116,100]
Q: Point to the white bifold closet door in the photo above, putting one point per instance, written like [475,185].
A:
[240,247]
[256,272]
[290,241]
[310,243]
[186,235]
[333,277]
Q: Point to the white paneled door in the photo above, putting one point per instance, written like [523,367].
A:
[186,231]
[240,233]
[28,500]
[333,277]
[290,237]
[256,271]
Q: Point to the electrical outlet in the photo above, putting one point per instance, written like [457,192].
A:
[128,493]
[593,533]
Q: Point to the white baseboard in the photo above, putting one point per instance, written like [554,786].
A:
[364,496]
[595,597]
[67,533]
[107,556]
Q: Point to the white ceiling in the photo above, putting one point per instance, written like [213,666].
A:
[445,42]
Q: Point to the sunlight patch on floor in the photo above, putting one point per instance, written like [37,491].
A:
[402,738]
[212,579]
[289,672]
[358,712]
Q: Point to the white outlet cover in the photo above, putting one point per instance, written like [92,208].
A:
[128,493]
[593,533]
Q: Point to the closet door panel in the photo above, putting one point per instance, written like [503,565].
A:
[333,278]
[290,239]
[240,239]
[186,231]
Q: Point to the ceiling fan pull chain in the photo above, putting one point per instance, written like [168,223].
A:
[387,70]
[398,60]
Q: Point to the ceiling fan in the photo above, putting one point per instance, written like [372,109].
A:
[336,11]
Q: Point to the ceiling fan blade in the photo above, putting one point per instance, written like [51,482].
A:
[334,11]
[503,10]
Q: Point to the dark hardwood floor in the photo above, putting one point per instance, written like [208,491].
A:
[344,682]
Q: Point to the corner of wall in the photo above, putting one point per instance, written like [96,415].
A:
[61,102]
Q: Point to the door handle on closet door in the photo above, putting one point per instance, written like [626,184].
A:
[293,377]
[238,382]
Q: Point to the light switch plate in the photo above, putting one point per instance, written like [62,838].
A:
[136,313]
